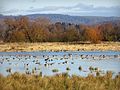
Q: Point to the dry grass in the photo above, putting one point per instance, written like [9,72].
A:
[58,46]
[59,82]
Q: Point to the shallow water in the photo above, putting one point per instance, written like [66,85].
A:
[45,62]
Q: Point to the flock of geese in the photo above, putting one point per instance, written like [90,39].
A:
[48,60]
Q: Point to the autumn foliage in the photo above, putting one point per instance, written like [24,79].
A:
[93,35]
[23,29]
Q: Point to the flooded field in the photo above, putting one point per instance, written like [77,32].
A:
[48,63]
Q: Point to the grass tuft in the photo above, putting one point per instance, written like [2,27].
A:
[55,70]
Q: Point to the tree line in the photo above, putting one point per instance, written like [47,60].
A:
[22,29]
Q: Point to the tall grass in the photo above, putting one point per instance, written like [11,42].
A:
[18,81]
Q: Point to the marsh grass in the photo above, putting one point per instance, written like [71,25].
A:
[55,70]
[18,81]
[59,46]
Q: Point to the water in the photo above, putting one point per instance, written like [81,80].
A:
[45,62]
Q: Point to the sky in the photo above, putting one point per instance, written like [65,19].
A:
[67,7]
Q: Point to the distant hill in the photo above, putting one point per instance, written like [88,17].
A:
[89,20]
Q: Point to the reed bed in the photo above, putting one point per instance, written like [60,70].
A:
[59,46]
[18,81]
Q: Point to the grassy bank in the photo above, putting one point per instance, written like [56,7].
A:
[58,46]
[59,82]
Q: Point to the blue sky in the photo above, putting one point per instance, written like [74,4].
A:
[69,7]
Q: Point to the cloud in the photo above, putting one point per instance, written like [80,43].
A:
[33,0]
[55,8]
[79,9]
